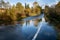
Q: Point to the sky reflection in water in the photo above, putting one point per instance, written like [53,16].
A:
[28,30]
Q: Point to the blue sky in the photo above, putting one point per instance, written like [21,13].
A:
[30,2]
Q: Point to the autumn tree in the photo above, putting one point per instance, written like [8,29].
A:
[19,7]
[27,9]
[57,7]
[37,8]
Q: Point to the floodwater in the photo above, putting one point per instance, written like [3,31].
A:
[31,28]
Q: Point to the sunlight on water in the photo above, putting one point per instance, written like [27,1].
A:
[39,28]
[24,24]
[31,23]
[28,24]
[30,31]
[43,20]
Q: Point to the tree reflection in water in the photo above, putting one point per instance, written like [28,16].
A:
[27,22]
[36,21]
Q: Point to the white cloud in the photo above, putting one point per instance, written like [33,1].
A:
[47,2]
[41,2]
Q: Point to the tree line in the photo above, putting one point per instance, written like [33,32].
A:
[10,14]
[17,11]
[52,15]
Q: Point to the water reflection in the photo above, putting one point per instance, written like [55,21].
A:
[36,21]
[20,22]
[36,29]
[27,22]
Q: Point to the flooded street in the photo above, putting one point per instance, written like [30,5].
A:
[31,28]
